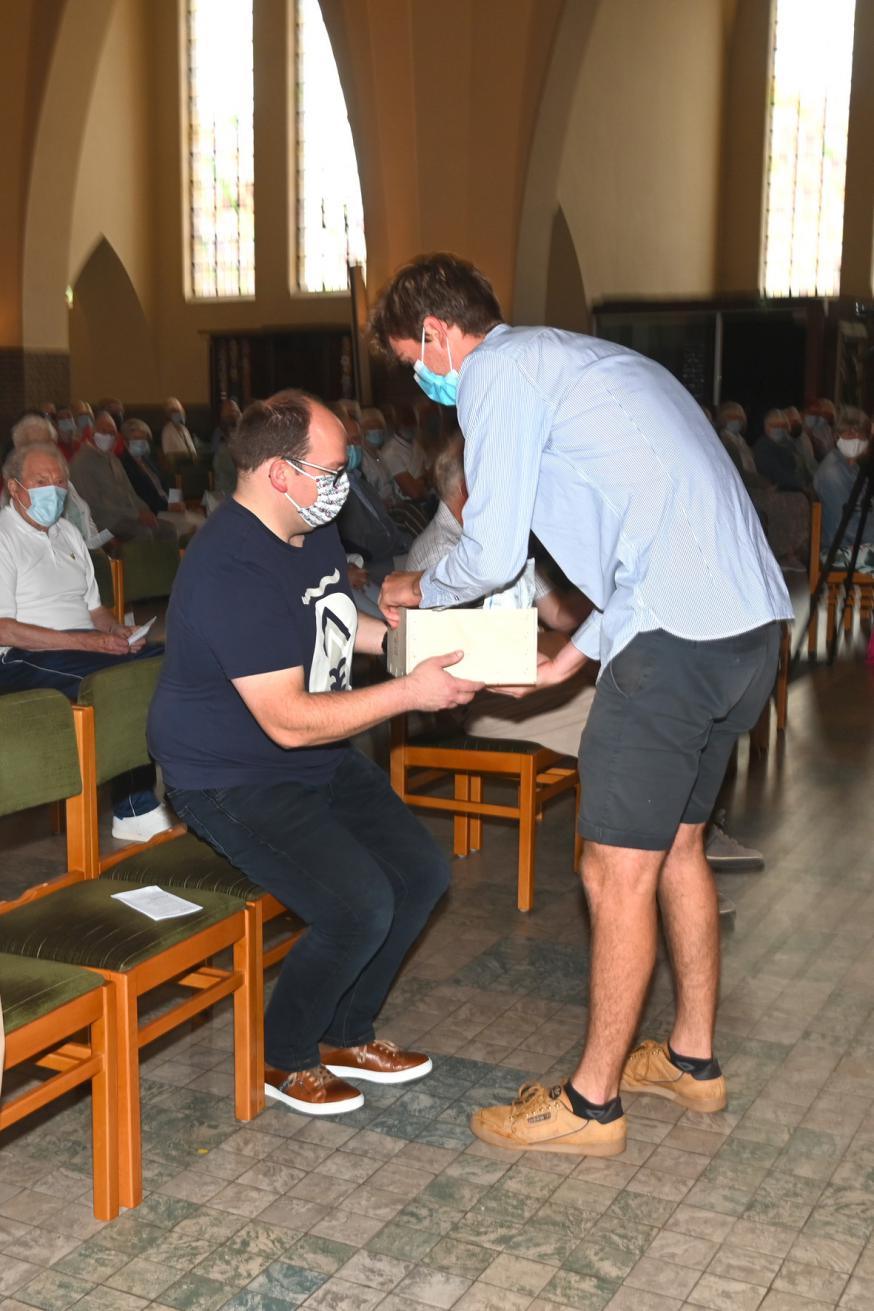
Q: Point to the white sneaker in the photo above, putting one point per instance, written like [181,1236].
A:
[725,853]
[142,828]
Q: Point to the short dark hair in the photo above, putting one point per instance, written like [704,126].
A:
[276,429]
[450,288]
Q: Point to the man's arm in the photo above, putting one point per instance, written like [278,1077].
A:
[369,635]
[33,637]
[293,717]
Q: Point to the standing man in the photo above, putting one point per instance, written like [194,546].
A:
[250,723]
[608,459]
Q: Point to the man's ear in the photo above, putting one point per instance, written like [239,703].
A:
[279,473]
[436,328]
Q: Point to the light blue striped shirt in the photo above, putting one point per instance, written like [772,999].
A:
[608,459]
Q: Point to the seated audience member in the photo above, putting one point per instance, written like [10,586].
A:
[84,417]
[819,421]
[405,458]
[801,438]
[778,458]
[731,424]
[553,716]
[35,429]
[50,411]
[372,540]
[374,434]
[250,723]
[100,476]
[113,406]
[53,629]
[66,428]
[145,479]
[228,418]
[834,482]
[175,437]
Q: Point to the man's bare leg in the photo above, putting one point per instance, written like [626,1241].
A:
[620,884]
[690,914]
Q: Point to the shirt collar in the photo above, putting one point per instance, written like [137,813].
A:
[28,529]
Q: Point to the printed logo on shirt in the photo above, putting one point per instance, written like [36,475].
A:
[313,593]
[336,622]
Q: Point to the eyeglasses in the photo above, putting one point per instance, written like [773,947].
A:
[336,474]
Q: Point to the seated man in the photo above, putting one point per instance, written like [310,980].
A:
[819,421]
[405,458]
[145,479]
[834,481]
[175,437]
[778,458]
[250,723]
[554,716]
[36,429]
[100,476]
[53,629]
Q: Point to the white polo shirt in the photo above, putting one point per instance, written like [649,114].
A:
[46,578]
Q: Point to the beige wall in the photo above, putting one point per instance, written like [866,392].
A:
[639,171]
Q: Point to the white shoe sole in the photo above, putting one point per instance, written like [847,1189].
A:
[375,1076]
[314,1108]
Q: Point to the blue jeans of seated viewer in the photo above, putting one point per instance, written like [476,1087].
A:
[356,865]
[133,792]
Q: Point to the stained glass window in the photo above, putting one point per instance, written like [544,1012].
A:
[810,100]
[221,147]
[330,219]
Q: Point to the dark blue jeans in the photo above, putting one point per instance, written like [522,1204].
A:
[133,792]
[355,864]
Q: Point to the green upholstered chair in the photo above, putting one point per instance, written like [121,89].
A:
[74,920]
[540,773]
[118,701]
[149,569]
[104,578]
[45,1007]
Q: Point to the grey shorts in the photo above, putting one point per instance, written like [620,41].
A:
[666,715]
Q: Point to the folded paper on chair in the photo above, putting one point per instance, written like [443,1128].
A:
[500,646]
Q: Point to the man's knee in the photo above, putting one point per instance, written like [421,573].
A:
[619,872]
[688,841]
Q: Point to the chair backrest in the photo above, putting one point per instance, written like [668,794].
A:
[149,569]
[120,697]
[192,480]
[103,575]
[39,763]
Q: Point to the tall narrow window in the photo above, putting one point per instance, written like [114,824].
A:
[221,148]
[330,219]
[810,100]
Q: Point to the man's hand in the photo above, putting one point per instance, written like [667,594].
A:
[400,590]
[148,519]
[433,689]
[358,577]
[549,671]
[106,643]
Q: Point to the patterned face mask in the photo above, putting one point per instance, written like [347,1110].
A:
[332,488]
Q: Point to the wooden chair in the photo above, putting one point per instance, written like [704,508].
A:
[74,920]
[144,571]
[540,774]
[861,591]
[110,721]
[760,736]
[45,1009]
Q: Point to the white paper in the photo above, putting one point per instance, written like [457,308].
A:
[156,903]
[101,539]
[518,596]
[141,631]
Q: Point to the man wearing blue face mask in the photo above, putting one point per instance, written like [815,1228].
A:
[606,457]
[175,437]
[53,629]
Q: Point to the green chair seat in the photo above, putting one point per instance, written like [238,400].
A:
[82,925]
[185,862]
[30,989]
[464,742]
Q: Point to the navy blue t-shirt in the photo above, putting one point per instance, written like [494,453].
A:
[246,602]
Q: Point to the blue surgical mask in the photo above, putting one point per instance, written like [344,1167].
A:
[736,426]
[83,421]
[66,426]
[138,448]
[178,419]
[46,504]
[439,387]
[353,458]
[374,437]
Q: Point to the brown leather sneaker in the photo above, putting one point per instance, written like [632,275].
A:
[649,1069]
[379,1061]
[315,1092]
[541,1120]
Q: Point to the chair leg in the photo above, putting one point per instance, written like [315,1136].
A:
[58,813]
[527,831]
[831,616]
[249,1017]
[104,1112]
[813,634]
[461,823]
[476,821]
[130,1147]
[781,692]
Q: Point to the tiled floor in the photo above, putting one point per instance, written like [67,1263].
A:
[769,1205]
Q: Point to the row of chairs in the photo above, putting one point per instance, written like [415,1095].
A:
[72,957]
[142,570]
[861,592]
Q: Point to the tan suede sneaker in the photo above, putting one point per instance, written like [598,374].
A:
[315,1092]
[379,1061]
[649,1069]
[541,1120]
